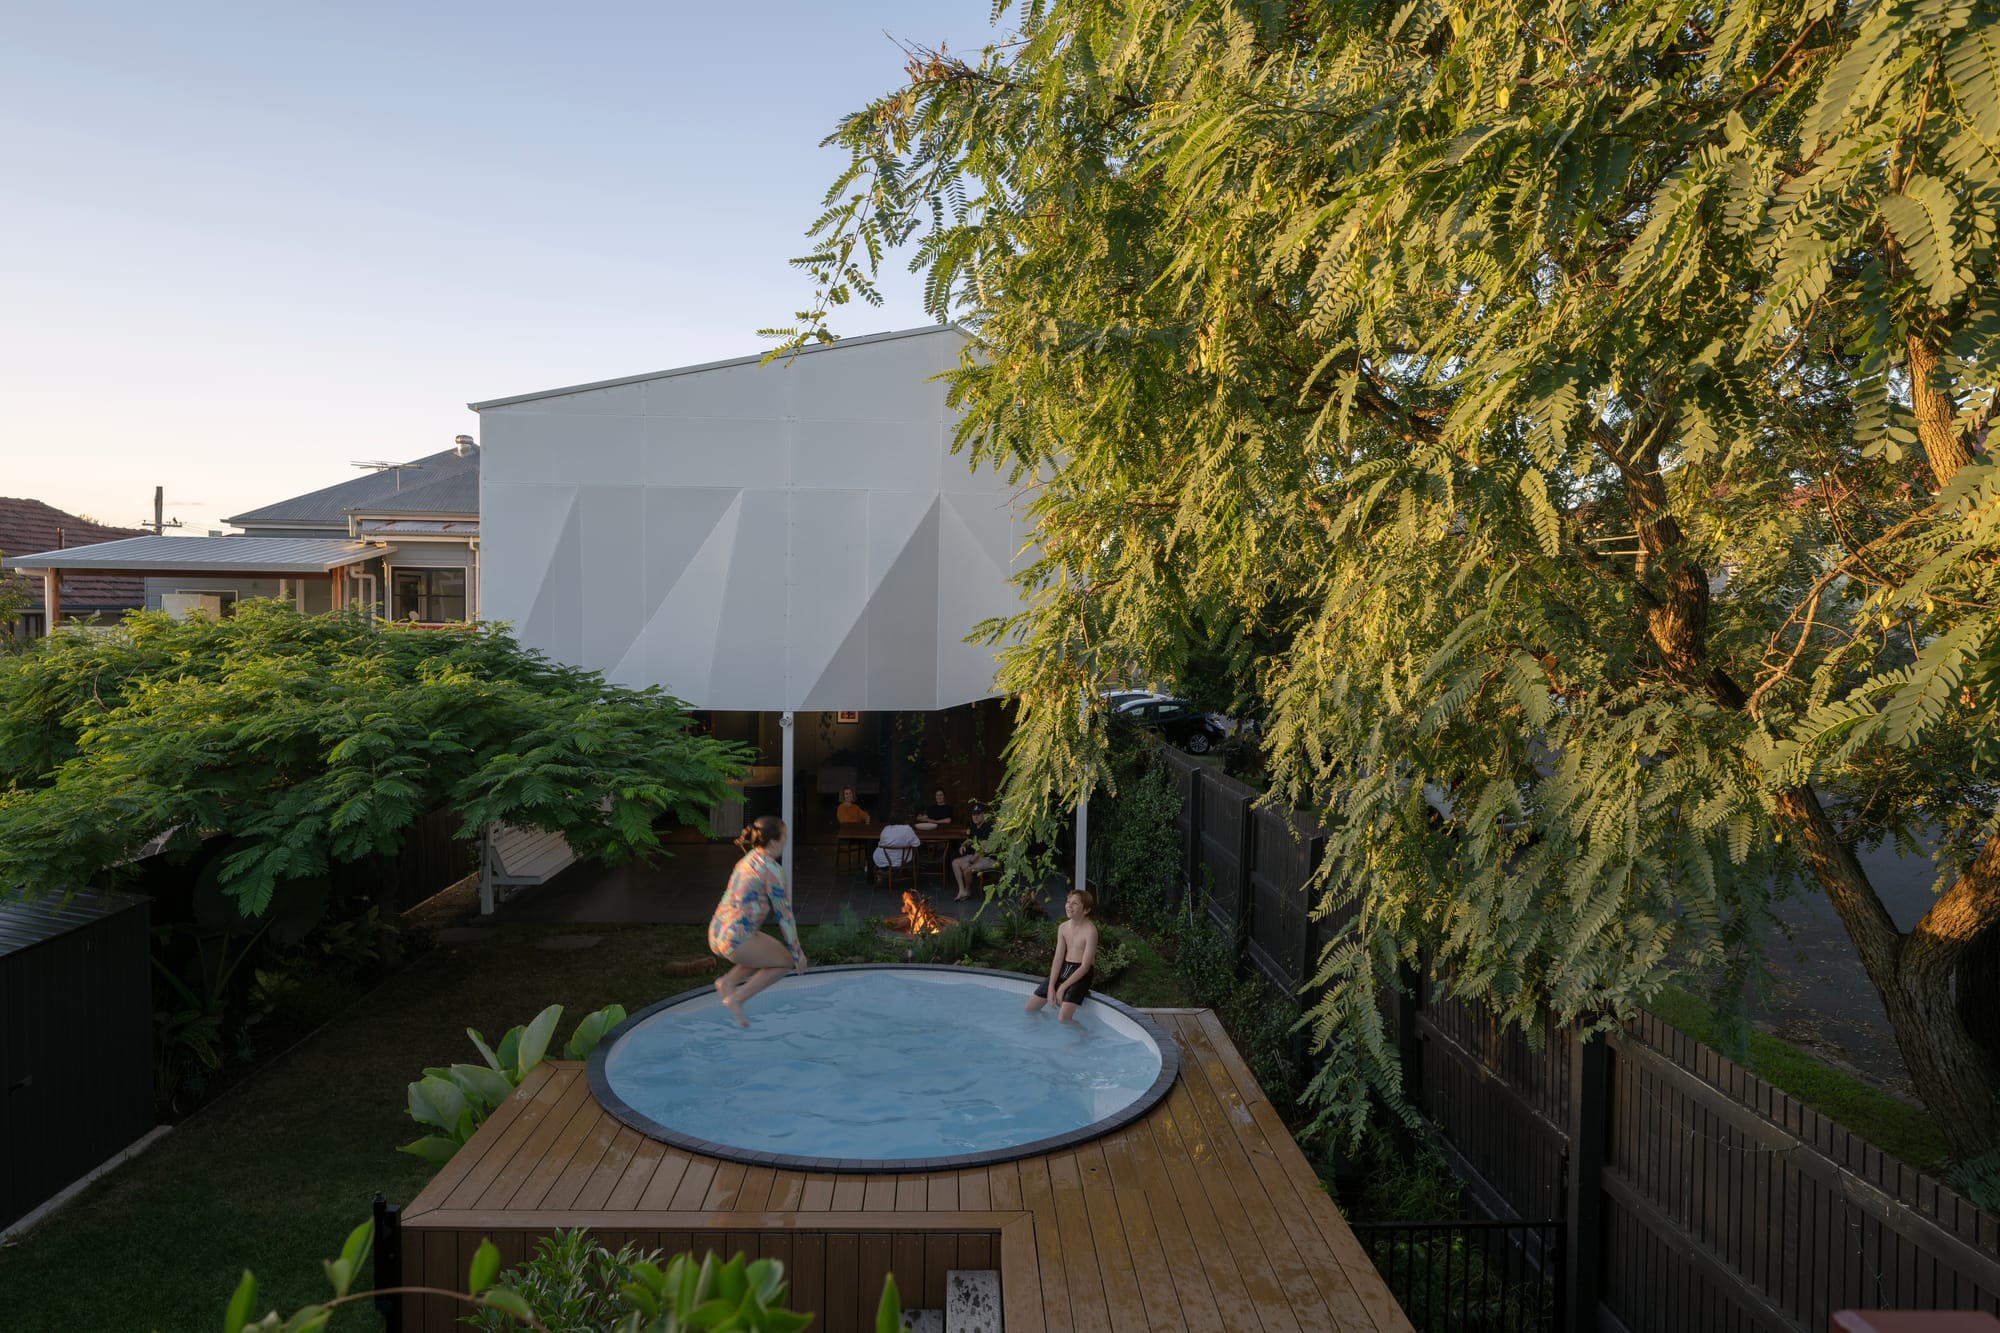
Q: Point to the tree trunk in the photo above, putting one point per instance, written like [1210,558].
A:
[1954,1073]
[1937,417]
[1979,990]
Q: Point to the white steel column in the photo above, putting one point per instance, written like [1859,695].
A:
[785,794]
[1083,807]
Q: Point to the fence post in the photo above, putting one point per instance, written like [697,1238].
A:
[1409,1039]
[389,1261]
[1583,1215]
[1246,859]
[1191,843]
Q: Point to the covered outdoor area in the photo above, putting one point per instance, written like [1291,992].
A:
[796,551]
[313,573]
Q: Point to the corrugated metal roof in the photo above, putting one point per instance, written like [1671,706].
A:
[236,555]
[25,924]
[861,341]
[454,495]
[330,505]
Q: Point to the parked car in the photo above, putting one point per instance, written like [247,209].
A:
[1177,720]
[1120,700]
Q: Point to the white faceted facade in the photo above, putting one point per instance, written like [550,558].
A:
[791,536]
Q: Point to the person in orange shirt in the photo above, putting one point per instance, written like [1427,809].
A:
[849,811]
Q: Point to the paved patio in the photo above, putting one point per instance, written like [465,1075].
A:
[682,889]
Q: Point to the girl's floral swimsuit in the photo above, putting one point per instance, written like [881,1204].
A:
[756,890]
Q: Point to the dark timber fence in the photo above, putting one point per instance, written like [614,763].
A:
[1694,1195]
[1471,1277]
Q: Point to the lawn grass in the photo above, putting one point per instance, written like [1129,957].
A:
[273,1175]
[1889,1123]
[1149,981]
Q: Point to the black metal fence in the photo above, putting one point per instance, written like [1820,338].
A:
[1473,1276]
[1694,1194]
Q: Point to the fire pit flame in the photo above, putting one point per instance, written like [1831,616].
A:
[917,917]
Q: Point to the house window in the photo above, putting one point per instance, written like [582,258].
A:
[215,603]
[433,596]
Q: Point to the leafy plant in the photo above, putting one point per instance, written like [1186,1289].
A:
[952,944]
[574,1285]
[1979,1180]
[240,1316]
[456,1100]
[738,1295]
[1114,955]
[848,940]
[571,1285]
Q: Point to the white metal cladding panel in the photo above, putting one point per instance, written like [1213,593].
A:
[755,537]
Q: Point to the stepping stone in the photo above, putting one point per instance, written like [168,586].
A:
[972,1301]
[569,943]
[923,1321]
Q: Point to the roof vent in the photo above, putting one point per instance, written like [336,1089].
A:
[466,444]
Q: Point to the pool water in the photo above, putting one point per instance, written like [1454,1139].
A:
[881,1064]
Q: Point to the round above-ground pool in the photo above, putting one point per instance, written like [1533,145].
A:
[882,1068]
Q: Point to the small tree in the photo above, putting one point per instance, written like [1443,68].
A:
[313,741]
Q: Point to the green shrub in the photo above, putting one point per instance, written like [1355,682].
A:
[848,940]
[457,1099]
[1261,1026]
[954,944]
[572,1285]
[1136,848]
[740,1296]
[1114,955]
[1979,1180]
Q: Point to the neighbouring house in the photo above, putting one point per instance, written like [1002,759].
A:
[778,544]
[401,541]
[28,526]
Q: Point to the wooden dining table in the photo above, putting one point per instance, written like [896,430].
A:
[872,833]
[929,858]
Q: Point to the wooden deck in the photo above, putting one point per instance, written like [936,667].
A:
[1202,1215]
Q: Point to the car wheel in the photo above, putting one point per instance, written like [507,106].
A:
[1199,743]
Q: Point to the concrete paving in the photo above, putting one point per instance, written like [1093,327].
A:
[683,889]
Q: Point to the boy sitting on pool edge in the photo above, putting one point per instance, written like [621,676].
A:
[1076,950]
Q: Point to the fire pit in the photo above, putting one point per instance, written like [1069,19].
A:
[882,1068]
[918,917]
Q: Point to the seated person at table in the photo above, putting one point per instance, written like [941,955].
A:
[972,857]
[939,810]
[849,811]
[897,846]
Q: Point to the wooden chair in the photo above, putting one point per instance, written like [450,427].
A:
[937,856]
[846,849]
[886,875]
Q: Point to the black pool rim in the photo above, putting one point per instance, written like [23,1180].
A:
[600,1087]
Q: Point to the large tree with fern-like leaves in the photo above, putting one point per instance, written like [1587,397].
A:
[1579,408]
[305,743]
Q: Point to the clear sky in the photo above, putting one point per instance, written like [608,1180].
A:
[242,245]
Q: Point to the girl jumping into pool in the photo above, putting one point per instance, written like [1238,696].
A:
[756,890]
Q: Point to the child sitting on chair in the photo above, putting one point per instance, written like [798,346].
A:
[1076,949]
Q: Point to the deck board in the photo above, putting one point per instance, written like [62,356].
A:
[1202,1215]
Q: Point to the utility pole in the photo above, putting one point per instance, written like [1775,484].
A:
[161,522]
